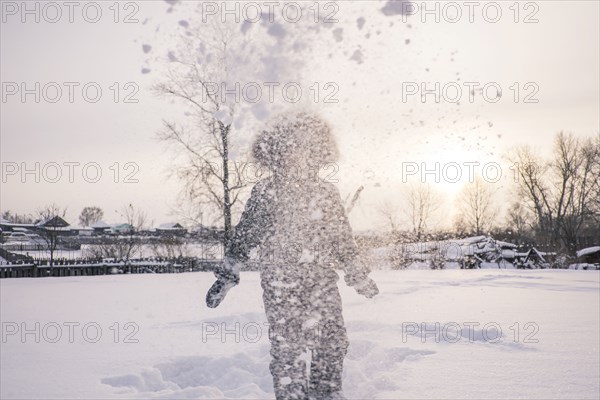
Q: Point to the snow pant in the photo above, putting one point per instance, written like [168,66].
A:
[304,311]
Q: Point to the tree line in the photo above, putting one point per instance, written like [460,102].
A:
[554,202]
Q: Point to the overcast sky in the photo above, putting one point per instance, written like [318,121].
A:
[377,131]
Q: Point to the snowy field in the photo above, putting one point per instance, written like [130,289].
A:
[175,347]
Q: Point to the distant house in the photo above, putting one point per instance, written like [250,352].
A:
[207,232]
[21,233]
[6,226]
[122,229]
[54,223]
[171,228]
[51,228]
[590,255]
[100,227]
[84,231]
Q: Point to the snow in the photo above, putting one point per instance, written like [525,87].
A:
[170,225]
[185,350]
[589,250]
[398,7]
[584,266]
[456,249]
[277,30]
[100,225]
[357,56]
[338,34]
[360,22]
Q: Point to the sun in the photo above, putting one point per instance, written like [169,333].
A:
[447,167]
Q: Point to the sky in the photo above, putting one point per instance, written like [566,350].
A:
[372,55]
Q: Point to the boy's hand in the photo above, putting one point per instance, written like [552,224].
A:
[367,288]
[227,277]
[218,291]
[357,277]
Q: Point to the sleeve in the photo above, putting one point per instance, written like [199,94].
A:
[346,250]
[343,240]
[249,231]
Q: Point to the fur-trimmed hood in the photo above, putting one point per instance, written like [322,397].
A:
[300,139]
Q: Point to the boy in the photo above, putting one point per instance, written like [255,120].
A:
[297,223]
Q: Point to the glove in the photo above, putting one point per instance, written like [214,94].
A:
[357,278]
[367,288]
[227,277]
[218,291]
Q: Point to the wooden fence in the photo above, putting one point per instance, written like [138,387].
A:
[26,269]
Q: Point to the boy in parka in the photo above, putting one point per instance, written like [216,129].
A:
[296,223]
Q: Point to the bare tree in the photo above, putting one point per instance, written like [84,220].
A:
[477,210]
[50,230]
[422,202]
[562,193]
[595,186]
[90,215]
[580,166]
[128,243]
[50,211]
[211,179]
[18,218]
[518,219]
[389,212]
[171,247]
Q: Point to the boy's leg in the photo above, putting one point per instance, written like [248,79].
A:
[288,370]
[285,312]
[332,342]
